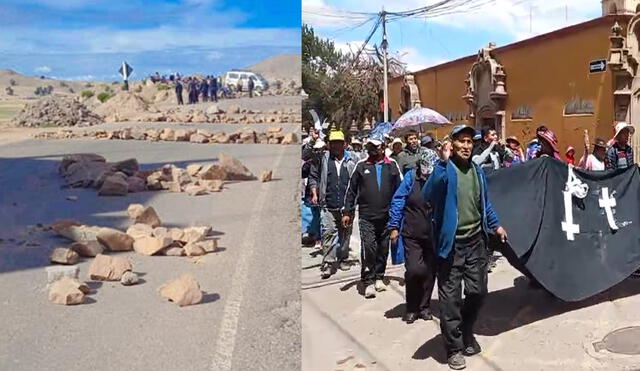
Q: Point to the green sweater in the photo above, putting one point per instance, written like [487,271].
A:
[469,218]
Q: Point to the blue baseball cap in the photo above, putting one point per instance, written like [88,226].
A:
[426,140]
[478,135]
[462,128]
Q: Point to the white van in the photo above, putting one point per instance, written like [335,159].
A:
[232,77]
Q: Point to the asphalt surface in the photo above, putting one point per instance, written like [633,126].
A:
[250,315]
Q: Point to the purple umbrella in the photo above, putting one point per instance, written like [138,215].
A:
[414,118]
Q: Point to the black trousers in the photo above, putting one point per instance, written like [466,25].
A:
[467,262]
[374,237]
[420,273]
[179,96]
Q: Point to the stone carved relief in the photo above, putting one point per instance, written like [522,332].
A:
[486,92]
[624,53]
[579,106]
[524,112]
[410,94]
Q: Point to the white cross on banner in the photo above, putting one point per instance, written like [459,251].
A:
[608,203]
[567,225]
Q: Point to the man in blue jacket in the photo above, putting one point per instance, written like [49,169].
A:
[463,217]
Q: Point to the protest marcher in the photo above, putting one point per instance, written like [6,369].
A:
[412,152]
[514,147]
[328,182]
[428,142]
[213,89]
[371,187]
[193,91]
[548,143]
[250,85]
[396,148]
[490,152]
[179,92]
[620,154]
[593,161]
[409,225]
[569,156]
[463,216]
[356,150]
[204,90]
[532,148]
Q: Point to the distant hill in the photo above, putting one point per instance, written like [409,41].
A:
[283,67]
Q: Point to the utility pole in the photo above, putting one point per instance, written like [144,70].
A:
[385,45]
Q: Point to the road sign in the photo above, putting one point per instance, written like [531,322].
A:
[125,70]
[599,65]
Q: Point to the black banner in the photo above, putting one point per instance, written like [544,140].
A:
[574,252]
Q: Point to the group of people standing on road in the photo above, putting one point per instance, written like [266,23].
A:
[431,200]
[205,89]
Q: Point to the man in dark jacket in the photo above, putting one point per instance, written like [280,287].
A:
[463,216]
[179,92]
[620,154]
[204,90]
[328,180]
[371,188]
[251,85]
[213,89]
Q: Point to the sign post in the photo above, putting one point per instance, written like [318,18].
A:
[597,66]
[125,71]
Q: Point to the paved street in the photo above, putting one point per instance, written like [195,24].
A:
[250,315]
[519,328]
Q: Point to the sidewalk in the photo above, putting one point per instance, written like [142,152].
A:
[519,328]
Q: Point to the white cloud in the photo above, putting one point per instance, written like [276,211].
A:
[320,14]
[509,16]
[104,40]
[416,61]
[42,69]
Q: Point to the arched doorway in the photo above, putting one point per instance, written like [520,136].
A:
[486,92]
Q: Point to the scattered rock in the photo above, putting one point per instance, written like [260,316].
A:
[129,166]
[65,256]
[194,190]
[173,251]
[58,111]
[151,245]
[140,230]
[193,249]
[266,176]
[212,171]
[114,186]
[129,278]
[234,168]
[160,232]
[79,233]
[62,224]
[290,138]
[176,234]
[183,290]
[87,249]
[56,272]
[208,246]
[115,240]
[108,268]
[135,210]
[67,291]
[198,138]
[150,217]
[136,184]
[193,169]
[211,185]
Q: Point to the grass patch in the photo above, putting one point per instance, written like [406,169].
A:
[163,87]
[104,96]
[87,94]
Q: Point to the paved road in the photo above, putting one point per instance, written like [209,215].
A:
[519,328]
[250,316]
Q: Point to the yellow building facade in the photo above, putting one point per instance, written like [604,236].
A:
[568,80]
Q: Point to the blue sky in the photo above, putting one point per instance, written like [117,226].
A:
[421,42]
[81,39]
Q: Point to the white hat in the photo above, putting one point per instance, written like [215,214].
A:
[319,144]
[621,126]
[396,140]
[356,141]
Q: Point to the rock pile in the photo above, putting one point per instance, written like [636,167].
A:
[123,106]
[145,236]
[56,111]
[121,178]
[244,136]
